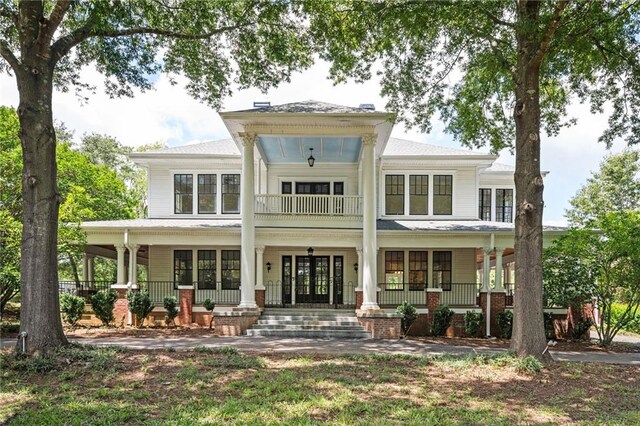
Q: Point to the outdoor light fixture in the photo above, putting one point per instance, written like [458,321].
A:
[310,251]
[355,266]
[311,160]
[268,266]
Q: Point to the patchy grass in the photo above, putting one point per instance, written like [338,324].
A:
[103,386]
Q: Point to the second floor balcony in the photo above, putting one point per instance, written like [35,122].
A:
[309,205]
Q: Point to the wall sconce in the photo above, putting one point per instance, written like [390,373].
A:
[311,160]
[268,266]
[355,267]
[310,251]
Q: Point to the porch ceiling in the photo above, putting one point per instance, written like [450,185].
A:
[295,149]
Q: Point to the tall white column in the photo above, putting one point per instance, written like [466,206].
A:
[369,243]
[90,267]
[122,270]
[85,267]
[133,265]
[359,272]
[486,269]
[248,237]
[499,285]
[259,268]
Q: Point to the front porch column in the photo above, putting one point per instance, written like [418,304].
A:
[260,288]
[499,285]
[85,267]
[248,237]
[369,243]
[90,267]
[122,270]
[486,269]
[486,289]
[133,265]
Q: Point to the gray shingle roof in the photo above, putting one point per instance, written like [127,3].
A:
[163,223]
[310,106]
[403,147]
[499,167]
[220,147]
[452,226]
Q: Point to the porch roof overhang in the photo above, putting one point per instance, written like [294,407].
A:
[132,224]
[473,226]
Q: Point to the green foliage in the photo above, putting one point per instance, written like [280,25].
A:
[549,329]
[209,305]
[102,303]
[140,305]
[442,317]
[505,322]
[10,240]
[632,323]
[581,327]
[170,304]
[473,323]
[409,315]
[72,308]
[528,365]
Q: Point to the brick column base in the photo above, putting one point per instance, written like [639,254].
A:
[260,298]
[234,323]
[359,297]
[121,308]
[186,306]
[498,304]
[382,326]
[433,301]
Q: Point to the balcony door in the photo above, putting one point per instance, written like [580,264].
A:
[313,188]
[312,279]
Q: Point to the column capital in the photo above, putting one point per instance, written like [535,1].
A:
[369,139]
[500,250]
[487,251]
[260,249]
[248,139]
[119,246]
[133,247]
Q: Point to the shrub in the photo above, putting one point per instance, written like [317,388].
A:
[581,327]
[139,304]
[441,320]
[209,305]
[633,324]
[170,304]
[505,322]
[528,364]
[473,323]
[102,303]
[409,315]
[549,329]
[72,308]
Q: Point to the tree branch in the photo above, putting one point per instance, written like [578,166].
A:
[543,47]
[55,18]
[8,56]
[497,20]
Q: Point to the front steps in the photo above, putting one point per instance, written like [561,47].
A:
[309,323]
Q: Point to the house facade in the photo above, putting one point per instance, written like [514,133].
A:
[314,205]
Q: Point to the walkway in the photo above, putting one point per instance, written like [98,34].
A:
[343,346]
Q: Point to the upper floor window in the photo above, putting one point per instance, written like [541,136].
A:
[230,193]
[394,194]
[442,270]
[419,194]
[442,194]
[207,193]
[484,212]
[182,267]
[418,265]
[183,194]
[394,270]
[504,205]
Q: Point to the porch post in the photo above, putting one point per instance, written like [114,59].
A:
[122,272]
[85,267]
[369,243]
[90,267]
[499,285]
[133,263]
[259,268]
[486,287]
[247,232]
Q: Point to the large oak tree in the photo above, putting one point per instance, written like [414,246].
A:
[45,44]
[496,72]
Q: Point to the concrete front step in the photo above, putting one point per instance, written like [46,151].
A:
[282,326]
[312,334]
[307,318]
[337,323]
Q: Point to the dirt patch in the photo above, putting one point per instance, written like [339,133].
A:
[144,332]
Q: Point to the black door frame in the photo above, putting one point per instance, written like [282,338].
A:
[312,296]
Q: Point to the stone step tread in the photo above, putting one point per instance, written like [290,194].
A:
[308,318]
[310,333]
[307,327]
[308,322]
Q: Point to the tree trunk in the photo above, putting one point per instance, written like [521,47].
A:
[40,310]
[74,269]
[528,336]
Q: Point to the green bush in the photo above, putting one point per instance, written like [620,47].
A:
[581,327]
[140,305]
[528,364]
[441,320]
[209,305]
[102,303]
[473,323]
[549,329]
[409,315]
[505,322]
[170,304]
[72,308]
[633,325]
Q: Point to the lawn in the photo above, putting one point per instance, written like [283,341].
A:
[108,386]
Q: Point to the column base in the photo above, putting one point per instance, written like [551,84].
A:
[260,297]
[370,307]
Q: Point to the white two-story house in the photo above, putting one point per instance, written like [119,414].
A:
[314,205]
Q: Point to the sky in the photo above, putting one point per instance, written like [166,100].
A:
[167,114]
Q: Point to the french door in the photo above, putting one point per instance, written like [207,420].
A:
[312,279]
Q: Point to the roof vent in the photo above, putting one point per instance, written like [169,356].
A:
[370,107]
[260,104]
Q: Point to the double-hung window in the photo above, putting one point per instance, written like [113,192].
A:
[418,265]
[442,194]
[419,194]
[484,210]
[442,270]
[504,205]
[206,269]
[207,191]
[394,194]
[183,193]
[394,270]
[230,269]
[230,193]
[182,267]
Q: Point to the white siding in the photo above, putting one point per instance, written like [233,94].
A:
[160,263]
[160,192]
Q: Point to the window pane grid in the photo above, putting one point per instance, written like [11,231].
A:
[418,265]
[419,194]
[183,194]
[442,270]
[442,194]
[230,269]
[207,269]
[230,193]
[484,212]
[182,267]
[207,193]
[504,205]
[394,194]
[394,270]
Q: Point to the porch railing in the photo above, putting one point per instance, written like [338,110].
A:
[339,294]
[218,293]
[158,290]
[84,289]
[460,294]
[302,204]
[392,295]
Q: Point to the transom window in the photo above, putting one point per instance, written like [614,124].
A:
[504,205]
[207,269]
[442,194]
[230,193]
[442,270]
[230,269]
[484,210]
[419,194]
[394,194]
[418,265]
[207,193]
[182,267]
[183,193]
[394,270]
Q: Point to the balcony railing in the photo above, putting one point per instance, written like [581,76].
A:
[459,294]
[313,205]
[392,295]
